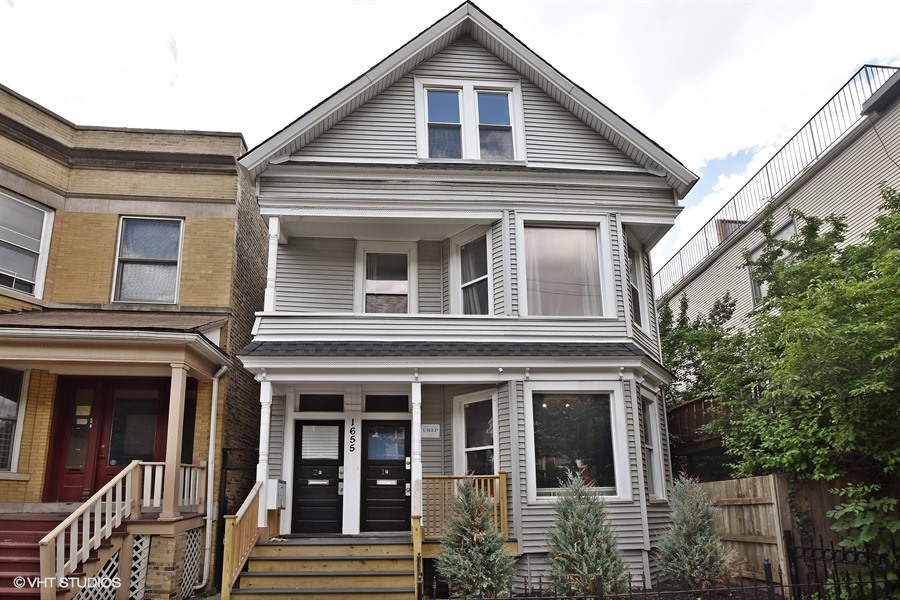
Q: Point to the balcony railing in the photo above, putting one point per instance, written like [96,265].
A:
[437,500]
[826,127]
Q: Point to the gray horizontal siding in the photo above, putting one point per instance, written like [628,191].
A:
[433,459]
[497,269]
[430,277]
[385,126]
[847,185]
[315,275]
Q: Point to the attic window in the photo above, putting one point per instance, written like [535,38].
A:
[469,120]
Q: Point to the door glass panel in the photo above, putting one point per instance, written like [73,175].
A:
[386,442]
[81,428]
[133,435]
[320,441]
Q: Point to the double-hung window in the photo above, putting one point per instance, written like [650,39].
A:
[469,120]
[470,276]
[386,277]
[636,284]
[651,442]
[476,446]
[757,288]
[564,267]
[11,416]
[148,259]
[24,242]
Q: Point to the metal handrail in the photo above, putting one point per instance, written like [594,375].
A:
[838,116]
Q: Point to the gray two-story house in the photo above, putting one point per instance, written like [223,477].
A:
[459,286]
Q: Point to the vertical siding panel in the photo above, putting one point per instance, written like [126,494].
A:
[276,438]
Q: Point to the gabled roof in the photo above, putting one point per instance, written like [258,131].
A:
[468,19]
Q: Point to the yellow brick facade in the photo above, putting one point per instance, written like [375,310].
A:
[35,440]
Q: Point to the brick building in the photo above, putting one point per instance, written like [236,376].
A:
[131,264]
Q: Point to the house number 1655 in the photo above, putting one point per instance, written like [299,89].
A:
[352,435]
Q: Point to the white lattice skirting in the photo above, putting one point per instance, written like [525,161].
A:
[193,560]
[140,559]
[101,587]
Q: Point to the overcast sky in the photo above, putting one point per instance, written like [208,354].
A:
[720,85]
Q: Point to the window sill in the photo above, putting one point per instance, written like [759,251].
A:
[21,296]
[470,161]
[10,476]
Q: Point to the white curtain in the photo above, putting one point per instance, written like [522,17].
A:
[563,271]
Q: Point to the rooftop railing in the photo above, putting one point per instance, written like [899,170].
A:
[826,127]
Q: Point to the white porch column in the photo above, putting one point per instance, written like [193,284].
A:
[271,268]
[416,398]
[262,468]
[172,477]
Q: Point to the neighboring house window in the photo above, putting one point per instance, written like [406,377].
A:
[386,278]
[476,120]
[562,266]
[636,284]
[760,289]
[575,428]
[470,274]
[651,439]
[24,242]
[148,260]
[476,447]
[11,415]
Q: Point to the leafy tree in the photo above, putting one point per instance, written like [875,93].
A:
[582,544]
[473,558]
[810,389]
[871,521]
[690,551]
[687,343]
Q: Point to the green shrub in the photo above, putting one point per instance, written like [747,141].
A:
[473,558]
[582,543]
[690,551]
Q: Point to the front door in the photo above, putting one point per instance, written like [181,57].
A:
[101,425]
[318,477]
[386,476]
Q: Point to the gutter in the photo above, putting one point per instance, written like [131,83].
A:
[210,475]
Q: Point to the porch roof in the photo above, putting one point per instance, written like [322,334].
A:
[114,319]
[441,349]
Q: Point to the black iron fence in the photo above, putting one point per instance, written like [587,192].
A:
[816,573]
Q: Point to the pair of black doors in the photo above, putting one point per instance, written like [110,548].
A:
[318,505]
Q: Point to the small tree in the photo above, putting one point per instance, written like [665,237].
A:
[582,544]
[473,559]
[690,551]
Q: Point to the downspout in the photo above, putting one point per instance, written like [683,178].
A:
[210,475]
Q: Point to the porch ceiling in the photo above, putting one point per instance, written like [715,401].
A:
[111,342]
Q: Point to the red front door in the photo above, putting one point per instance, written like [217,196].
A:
[100,426]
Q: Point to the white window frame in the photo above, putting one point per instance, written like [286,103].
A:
[20,424]
[757,293]
[364,247]
[471,147]
[459,428]
[634,246]
[115,282]
[618,423]
[604,250]
[455,266]
[40,273]
[650,411]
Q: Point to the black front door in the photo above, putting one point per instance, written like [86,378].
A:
[318,477]
[386,476]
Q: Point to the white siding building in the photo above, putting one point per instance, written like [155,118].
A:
[459,286]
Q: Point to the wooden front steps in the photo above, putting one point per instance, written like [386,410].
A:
[330,568]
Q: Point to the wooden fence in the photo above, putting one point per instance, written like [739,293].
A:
[751,517]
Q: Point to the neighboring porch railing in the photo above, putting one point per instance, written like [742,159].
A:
[137,486]
[437,499]
[241,534]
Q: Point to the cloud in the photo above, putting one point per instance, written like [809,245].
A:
[173,48]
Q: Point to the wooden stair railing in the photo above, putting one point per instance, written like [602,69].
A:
[241,534]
